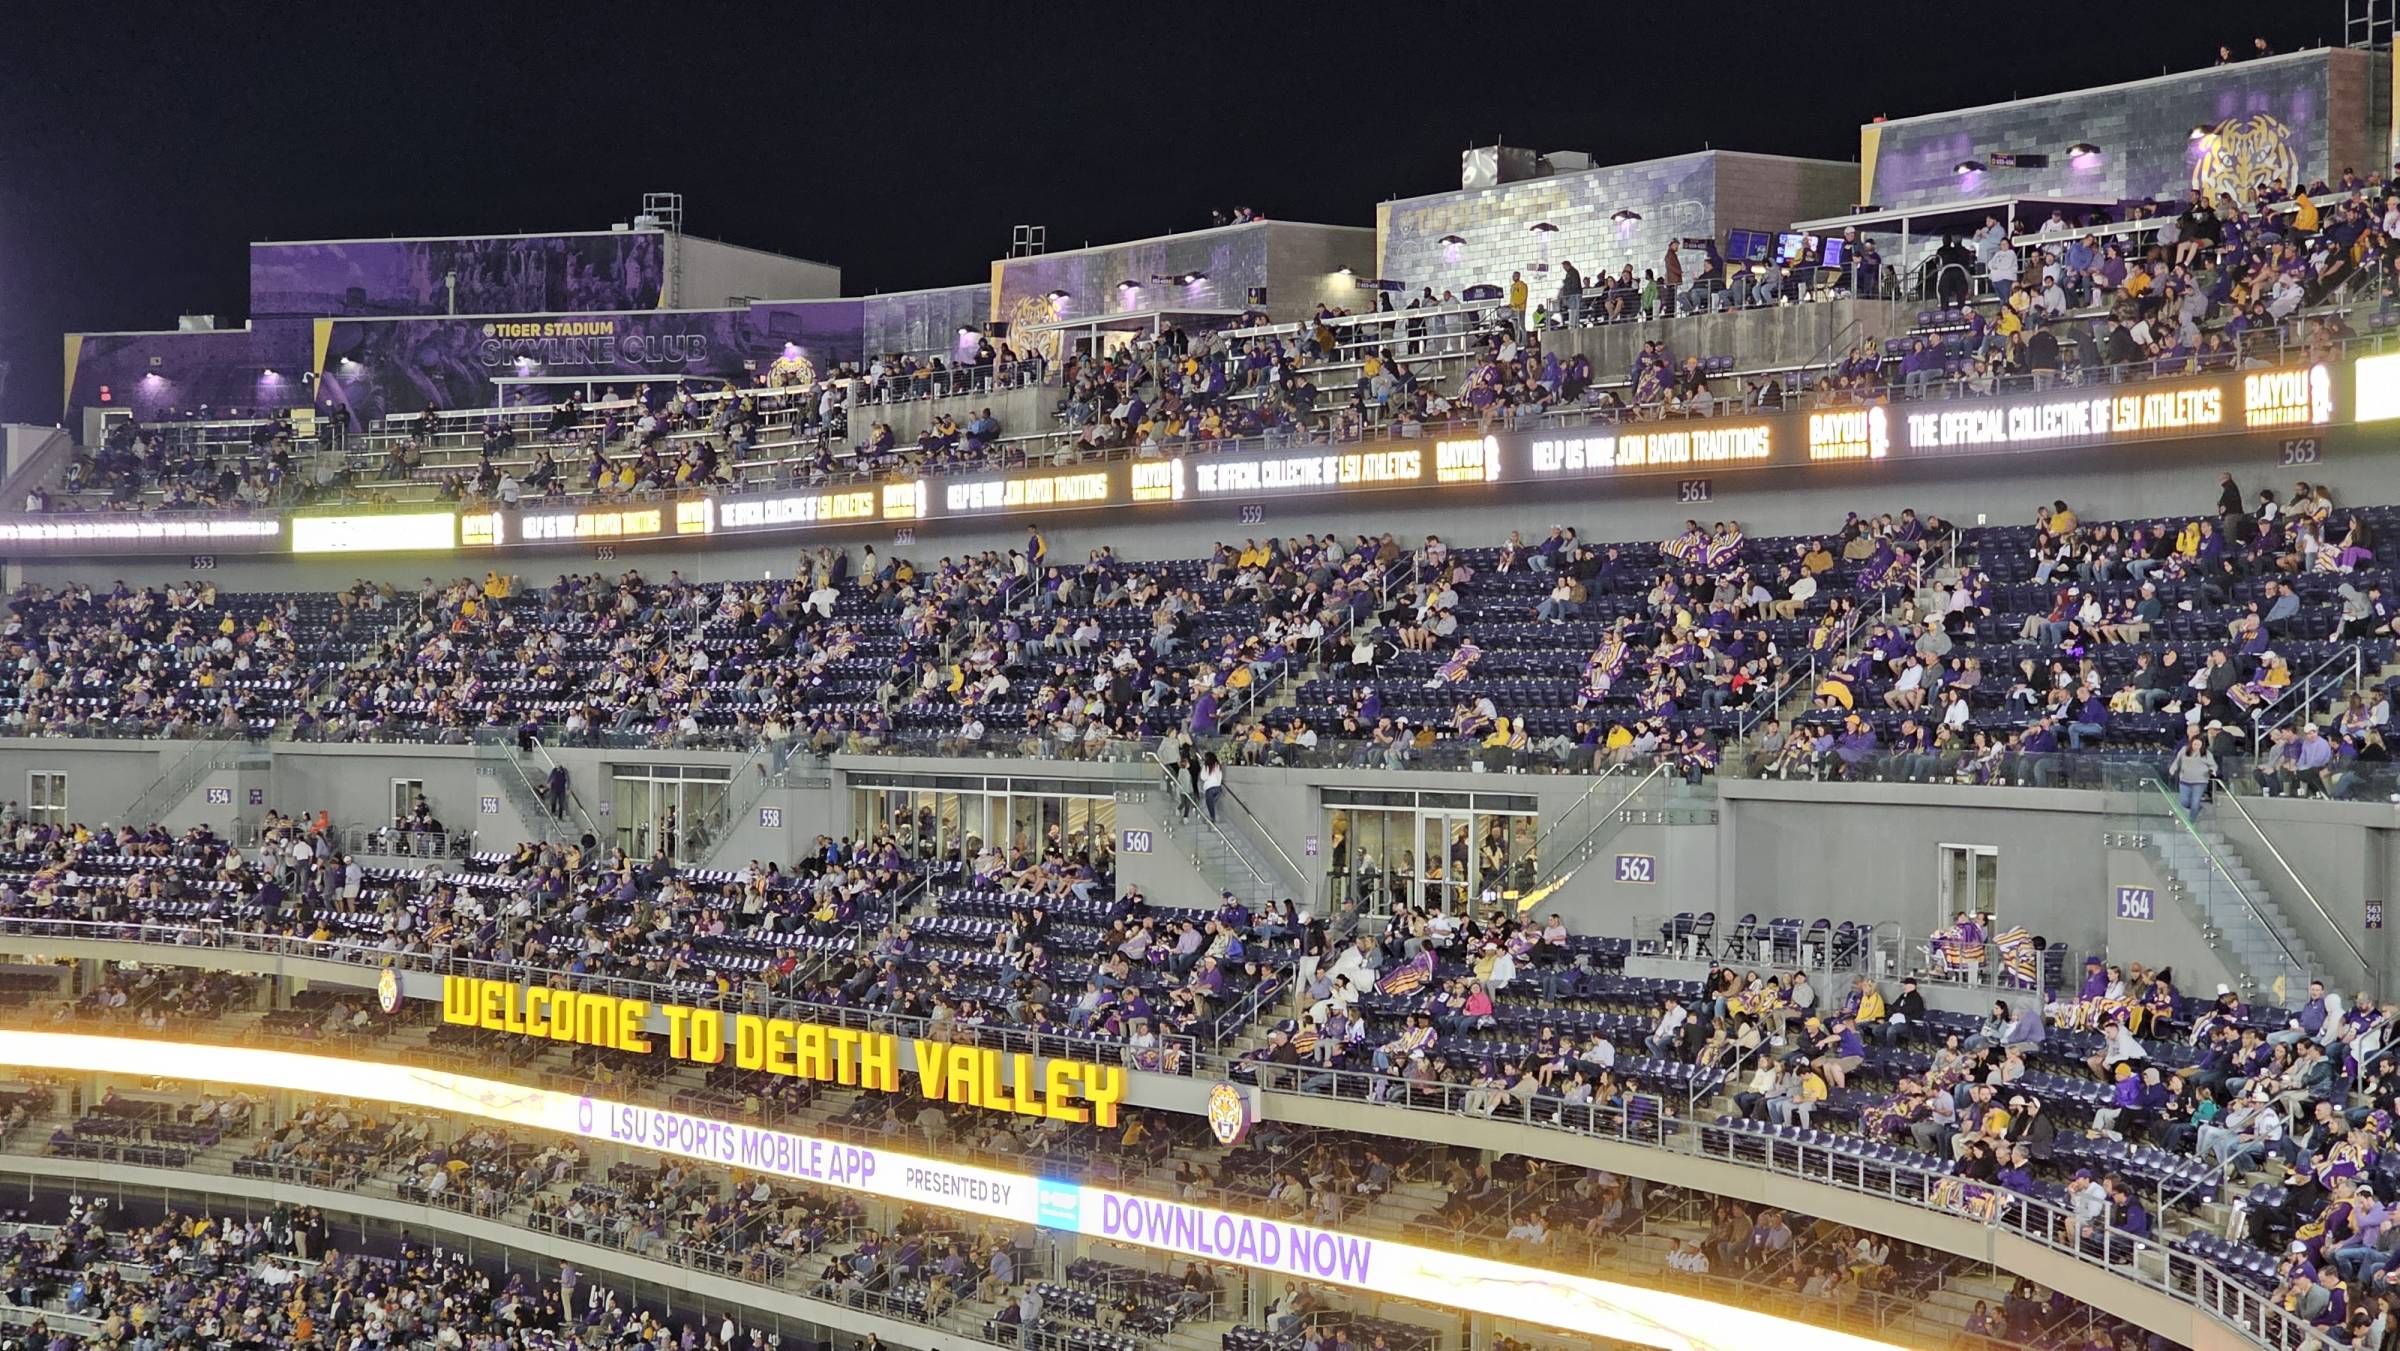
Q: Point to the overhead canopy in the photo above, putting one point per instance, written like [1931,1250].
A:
[1935,220]
[1133,321]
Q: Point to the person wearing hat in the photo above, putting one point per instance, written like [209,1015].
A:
[2089,1202]
[1904,1017]
[2251,1128]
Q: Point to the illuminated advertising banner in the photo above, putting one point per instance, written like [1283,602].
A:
[967,1076]
[2301,398]
[1469,461]
[1695,447]
[421,530]
[627,523]
[1213,477]
[1399,1270]
[2077,420]
[745,513]
[2377,380]
[973,497]
[1157,480]
[137,531]
[1850,434]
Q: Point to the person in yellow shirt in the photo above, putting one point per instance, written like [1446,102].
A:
[2062,519]
[2304,215]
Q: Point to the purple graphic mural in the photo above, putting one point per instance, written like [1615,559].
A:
[2222,129]
[512,274]
[1224,265]
[374,367]
[168,376]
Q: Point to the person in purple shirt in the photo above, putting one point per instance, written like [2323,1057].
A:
[2304,761]
[2091,718]
[2038,753]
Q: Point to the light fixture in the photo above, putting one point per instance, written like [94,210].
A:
[1968,166]
[1453,239]
[1190,278]
[1623,214]
[2083,148]
[1543,227]
[964,330]
[2200,131]
[1344,272]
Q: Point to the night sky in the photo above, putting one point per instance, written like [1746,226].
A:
[143,146]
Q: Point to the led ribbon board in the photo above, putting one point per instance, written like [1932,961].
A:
[1400,1270]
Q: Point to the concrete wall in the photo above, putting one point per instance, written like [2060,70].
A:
[717,273]
[926,321]
[1296,262]
[1807,849]
[1868,852]
[1699,195]
[1788,336]
[2298,116]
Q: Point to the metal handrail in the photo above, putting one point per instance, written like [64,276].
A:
[1606,817]
[2174,811]
[2182,1276]
[1189,807]
[2306,892]
[1559,822]
[2302,695]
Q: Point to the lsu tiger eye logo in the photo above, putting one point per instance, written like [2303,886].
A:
[1228,1114]
[387,990]
[2243,153]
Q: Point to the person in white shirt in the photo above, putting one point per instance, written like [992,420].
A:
[1532,1229]
[1669,1027]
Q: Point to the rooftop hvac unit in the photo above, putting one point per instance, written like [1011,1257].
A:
[1487,166]
[195,323]
[645,222]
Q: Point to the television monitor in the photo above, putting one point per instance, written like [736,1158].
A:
[1833,251]
[1809,247]
[1737,245]
[1787,247]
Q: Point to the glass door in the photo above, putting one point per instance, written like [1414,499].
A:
[634,819]
[1970,880]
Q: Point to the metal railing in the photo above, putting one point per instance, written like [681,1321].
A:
[2155,802]
[2307,892]
[1192,807]
[2329,679]
[1562,861]
[2146,1261]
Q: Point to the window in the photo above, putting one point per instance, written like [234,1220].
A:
[46,797]
[669,809]
[405,795]
[953,816]
[1970,879]
[1386,848]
